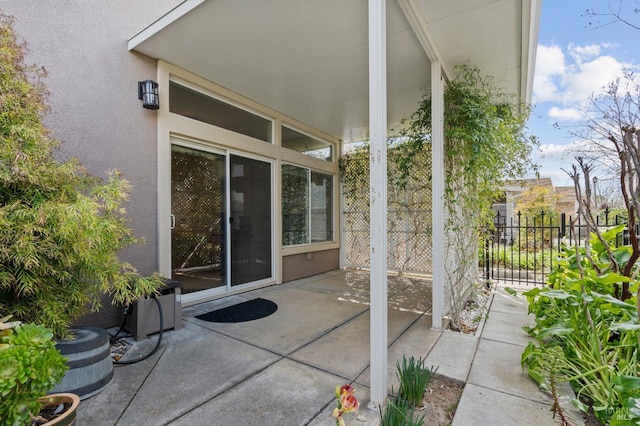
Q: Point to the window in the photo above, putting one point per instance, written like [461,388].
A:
[198,106]
[307,206]
[296,141]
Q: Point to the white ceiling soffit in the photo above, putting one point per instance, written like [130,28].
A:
[308,59]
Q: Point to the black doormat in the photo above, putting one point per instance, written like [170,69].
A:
[246,311]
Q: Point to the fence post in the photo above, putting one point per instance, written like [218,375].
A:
[563,225]
[487,262]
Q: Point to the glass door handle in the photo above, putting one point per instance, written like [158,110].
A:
[173,221]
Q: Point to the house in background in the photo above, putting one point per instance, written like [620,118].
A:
[567,202]
[506,209]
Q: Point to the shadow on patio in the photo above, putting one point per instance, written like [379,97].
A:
[281,369]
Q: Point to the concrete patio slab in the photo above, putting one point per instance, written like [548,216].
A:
[345,351]
[499,368]
[507,327]
[417,341]
[507,303]
[259,400]
[414,296]
[201,369]
[107,407]
[453,354]
[283,369]
[346,283]
[302,316]
[480,406]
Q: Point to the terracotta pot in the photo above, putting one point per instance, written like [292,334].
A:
[68,418]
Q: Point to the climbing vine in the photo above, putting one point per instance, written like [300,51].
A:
[486,144]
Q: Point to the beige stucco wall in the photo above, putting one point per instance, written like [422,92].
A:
[95,111]
[307,264]
[92,79]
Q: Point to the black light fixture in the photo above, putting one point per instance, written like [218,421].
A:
[148,94]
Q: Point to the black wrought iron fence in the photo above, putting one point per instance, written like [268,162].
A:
[525,249]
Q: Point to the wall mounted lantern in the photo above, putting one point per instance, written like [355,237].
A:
[148,94]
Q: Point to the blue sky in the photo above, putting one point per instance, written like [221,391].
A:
[574,61]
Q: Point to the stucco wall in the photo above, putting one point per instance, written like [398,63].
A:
[307,264]
[92,79]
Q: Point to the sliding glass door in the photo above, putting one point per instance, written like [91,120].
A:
[198,216]
[211,233]
[250,220]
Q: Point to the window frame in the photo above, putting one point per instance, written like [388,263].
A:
[330,212]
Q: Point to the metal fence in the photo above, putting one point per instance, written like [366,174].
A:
[524,250]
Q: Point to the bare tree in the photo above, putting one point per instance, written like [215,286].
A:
[616,13]
[611,125]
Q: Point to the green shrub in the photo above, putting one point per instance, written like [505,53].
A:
[399,412]
[60,228]
[586,335]
[30,366]
[593,341]
[414,378]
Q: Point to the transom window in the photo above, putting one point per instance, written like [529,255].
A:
[198,106]
[296,141]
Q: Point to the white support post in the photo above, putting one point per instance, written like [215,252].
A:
[378,199]
[437,191]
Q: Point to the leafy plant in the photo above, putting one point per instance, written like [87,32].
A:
[414,378]
[60,228]
[30,366]
[544,366]
[592,339]
[399,412]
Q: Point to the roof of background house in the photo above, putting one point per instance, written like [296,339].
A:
[566,191]
[524,184]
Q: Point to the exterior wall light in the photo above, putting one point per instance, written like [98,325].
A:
[148,94]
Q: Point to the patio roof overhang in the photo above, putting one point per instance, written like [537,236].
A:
[320,62]
[309,59]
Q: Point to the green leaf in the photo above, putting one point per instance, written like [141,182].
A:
[555,330]
[616,302]
[559,294]
[579,405]
[626,384]
[624,326]
[533,292]
[510,291]
[612,278]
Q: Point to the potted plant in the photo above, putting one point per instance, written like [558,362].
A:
[30,366]
[61,229]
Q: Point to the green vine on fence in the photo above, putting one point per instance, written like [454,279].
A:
[486,144]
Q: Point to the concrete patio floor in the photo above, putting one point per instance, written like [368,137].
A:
[283,369]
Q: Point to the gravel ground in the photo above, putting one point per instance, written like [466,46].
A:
[474,311]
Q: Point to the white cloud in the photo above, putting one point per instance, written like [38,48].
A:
[559,152]
[565,114]
[549,64]
[590,78]
[556,160]
[568,80]
[580,53]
